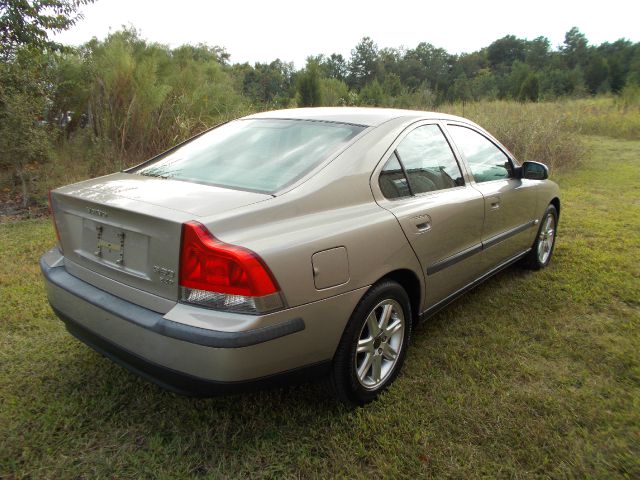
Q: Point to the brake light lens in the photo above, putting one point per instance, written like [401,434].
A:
[53,219]
[218,275]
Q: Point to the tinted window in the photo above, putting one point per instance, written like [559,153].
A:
[259,154]
[393,182]
[487,162]
[428,160]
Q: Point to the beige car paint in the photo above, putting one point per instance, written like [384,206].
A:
[338,205]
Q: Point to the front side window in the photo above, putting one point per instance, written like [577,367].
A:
[259,154]
[486,161]
[428,160]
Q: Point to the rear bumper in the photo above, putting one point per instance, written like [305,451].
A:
[181,382]
[291,345]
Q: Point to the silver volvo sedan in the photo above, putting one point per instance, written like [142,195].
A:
[290,244]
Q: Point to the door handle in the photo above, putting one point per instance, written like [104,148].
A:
[495,203]
[421,224]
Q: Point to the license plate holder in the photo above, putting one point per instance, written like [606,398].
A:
[108,249]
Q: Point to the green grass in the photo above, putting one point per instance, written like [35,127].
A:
[530,375]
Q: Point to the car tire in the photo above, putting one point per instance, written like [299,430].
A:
[542,249]
[374,344]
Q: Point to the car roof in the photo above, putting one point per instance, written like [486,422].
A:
[369,117]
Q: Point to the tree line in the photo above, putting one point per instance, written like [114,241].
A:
[142,95]
[509,68]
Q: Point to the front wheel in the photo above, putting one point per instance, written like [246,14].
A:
[542,249]
[373,345]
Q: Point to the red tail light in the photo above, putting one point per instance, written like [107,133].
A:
[53,219]
[224,276]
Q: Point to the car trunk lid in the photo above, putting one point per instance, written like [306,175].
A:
[127,227]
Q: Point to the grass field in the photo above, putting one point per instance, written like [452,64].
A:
[530,375]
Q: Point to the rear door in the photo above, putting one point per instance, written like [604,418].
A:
[422,184]
[509,202]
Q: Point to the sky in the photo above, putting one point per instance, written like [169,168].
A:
[261,31]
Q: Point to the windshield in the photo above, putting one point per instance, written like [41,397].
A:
[261,155]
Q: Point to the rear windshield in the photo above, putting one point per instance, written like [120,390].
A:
[261,155]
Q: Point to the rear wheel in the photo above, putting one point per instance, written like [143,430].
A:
[373,346]
[542,249]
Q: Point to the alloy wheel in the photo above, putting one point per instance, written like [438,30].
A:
[546,239]
[379,344]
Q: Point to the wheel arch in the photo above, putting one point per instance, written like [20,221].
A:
[555,201]
[412,285]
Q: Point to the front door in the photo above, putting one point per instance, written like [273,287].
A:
[509,202]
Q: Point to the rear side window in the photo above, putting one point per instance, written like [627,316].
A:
[486,161]
[428,160]
[393,182]
[261,155]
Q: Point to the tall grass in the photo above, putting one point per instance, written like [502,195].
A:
[532,131]
[550,132]
[615,117]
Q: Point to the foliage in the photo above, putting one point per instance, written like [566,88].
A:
[25,79]
[372,94]
[139,98]
[364,63]
[505,51]
[334,66]
[575,49]
[630,96]
[530,88]
[24,141]
[27,23]
[309,86]
[334,92]
[267,84]
[509,68]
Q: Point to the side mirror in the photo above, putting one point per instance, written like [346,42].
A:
[534,171]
